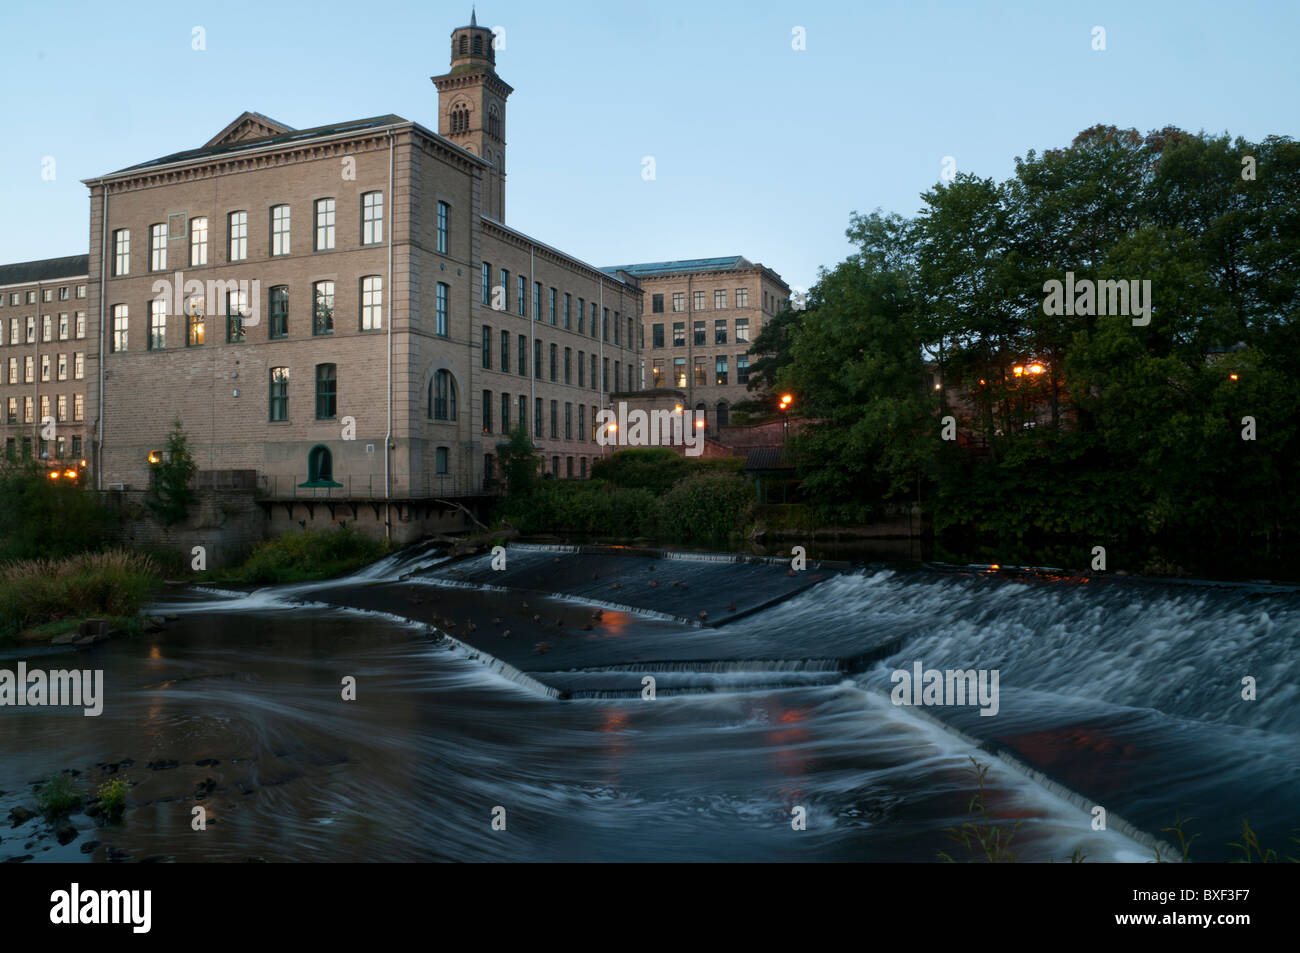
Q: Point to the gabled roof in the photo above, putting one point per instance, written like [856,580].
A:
[248,125]
[289,135]
[47,269]
[685,266]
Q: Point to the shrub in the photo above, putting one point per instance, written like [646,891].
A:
[48,518]
[112,797]
[706,508]
[170,495]
[315,554]
[111,584]
[57,796]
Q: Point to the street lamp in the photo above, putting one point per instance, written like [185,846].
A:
[786,401]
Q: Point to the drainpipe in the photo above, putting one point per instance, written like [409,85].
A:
[103,278]
[36,376]
[388,435]
[532,346]
[604,451]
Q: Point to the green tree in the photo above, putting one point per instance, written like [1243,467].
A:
[172,493]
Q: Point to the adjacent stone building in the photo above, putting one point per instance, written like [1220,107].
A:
[343,309]
[48,355]
[699,318]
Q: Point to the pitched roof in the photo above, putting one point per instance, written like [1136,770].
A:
[289,135]
[45,269]
[248,125]
[685,266]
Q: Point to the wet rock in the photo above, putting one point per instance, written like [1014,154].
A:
[205,787]
[93,627]
[18,859]
[151,624]
[66,834]
[89,846]
[163,765]
[93,809]
[116,855]
[206,762]
[67,638]
[20,815]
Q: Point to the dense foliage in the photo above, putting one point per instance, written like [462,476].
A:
[171,493]
[310,555]
[44,518]
[1130,433]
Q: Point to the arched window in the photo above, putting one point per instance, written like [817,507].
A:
[460,118]
[494,121]
[464,44]
[478,45]
[442,396]
[724,413]
[320,465]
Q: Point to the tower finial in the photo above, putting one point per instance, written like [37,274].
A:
[473,18]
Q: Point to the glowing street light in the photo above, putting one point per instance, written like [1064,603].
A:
[1036,369]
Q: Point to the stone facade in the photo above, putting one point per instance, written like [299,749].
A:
[392,387]
[47,356]
[699,317]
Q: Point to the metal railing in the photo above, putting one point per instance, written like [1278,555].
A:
[371,487]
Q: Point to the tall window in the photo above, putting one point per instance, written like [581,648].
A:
[593,319]
[61,409]
[372,218]
[699,333]
[120,314]
[372,303]
[442,322]
[63,326]
[81,324]
[582,363]
[485,348]
[505,352]
[616,326]
[593,372]
[581,319]
[742,368]
[13,370]
[537,301]
[279,394]
[720,369]
[604,325]
[442,396]
[157,324]
[742,330]
[701,372]
[158,247]
[322,309]
[657,373]
[122,251]
[443,210]
[720,332]
[679,372]
[45,367]
[505,290]
[198,242]
[521,296]
[236,311]
[555,421]
[505,413]
[582,427]
[720,299]
[459,112]
[238,236]
[494,121]
[679,334]
[523,357]
[568,421]
[279,229]
[278,326]
[742,297]
[656,304]
[63,367]
[486,282]
[604,375]
[487,411]
[326,391]
[699,301]
[568,365]
[537,419]
[537,360]
[523,412]
[679,301]
[554,363]
[31,329]
[324,224]
[47,327]
[194,321]
[78,365]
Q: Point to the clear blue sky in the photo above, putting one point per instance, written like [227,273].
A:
[760,150]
